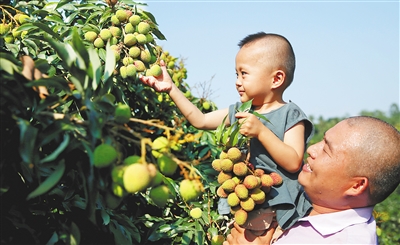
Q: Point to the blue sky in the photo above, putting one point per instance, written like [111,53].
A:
[347,51]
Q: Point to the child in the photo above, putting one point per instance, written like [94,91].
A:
[265,67]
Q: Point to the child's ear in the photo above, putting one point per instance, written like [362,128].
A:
[279,79]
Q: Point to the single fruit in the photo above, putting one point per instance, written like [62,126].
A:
[134,19]
[105,34]
[160,195]
[251,182]
[167,165]
[217,240]
[116,31]
[117,174]
[223,155]
[134,52]
[104,155]
[131,70]
[223,176]
[247,204]
[23,18]
[4,28]
[143,27]
[196,213]
[141,38]
[98,43]
[226,165]
[155,71]
[115,20]
[241,191]
[221,192]
[240,217]
[136,178]
[130,40]
[258,172]
[189,190]
[122,113]
[129,28]
[206,105]
[276,178]
[216,164]
[229,185]
[266,180]
[139,65]
[122,72]
[127,60]
[131,160]
[233,200]
[122,15]
[257,195]
[145,56]
[234,154]
[240,169]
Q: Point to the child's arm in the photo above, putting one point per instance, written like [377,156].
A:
[287,153]
[164,83]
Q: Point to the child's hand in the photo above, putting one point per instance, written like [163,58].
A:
[162,83]
[250,125]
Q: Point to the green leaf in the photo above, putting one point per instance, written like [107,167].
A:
[7,65]
[27,140]
[79,47]
[245,107]
[110,63]
[57,151]
[50,182]
[48,30]
[105,216]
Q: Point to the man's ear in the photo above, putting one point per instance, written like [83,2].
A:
[279,79]
[358,187]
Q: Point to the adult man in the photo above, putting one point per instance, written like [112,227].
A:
[354,167]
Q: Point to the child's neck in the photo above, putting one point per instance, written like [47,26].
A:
[268,106]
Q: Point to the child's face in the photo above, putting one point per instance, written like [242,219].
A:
[254,74]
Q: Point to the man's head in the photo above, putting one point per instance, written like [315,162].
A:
[357,164]
[276,50]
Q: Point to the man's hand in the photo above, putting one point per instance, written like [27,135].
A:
[162,83]
[239,235]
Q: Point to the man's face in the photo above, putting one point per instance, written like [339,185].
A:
[324,175]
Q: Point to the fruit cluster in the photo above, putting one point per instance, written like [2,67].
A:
[9,30]
[130,35]
[242,185]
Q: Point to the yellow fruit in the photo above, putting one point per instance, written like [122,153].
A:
[247,204]
[226,165]
[122,113]
[241,191]
[136,178]
[160,195]
[240,169]
[166,165]
[131,70]
[266,180]
[104,155]
[251,182]
[240,217]
[160,144]
[122,72]
[229,185]
[134,52]
[206,105]
[223,155]
[155,71]
[189,190]
[216,164]
[9,38]
[141,38]
[134,19]
[129,28]
[139,65]
[217,240]
[223,176]
[118,190]
[115,31]
[143,27]
[221,192]
[145,56]
[105,34]
[196,213]
[149,37]
[234,154]
[122,15]
[115,20]
[127,60]
[4,28]
[233,200]
[257,195]
[23,18]
[131,160]
[98,43]
[130,40]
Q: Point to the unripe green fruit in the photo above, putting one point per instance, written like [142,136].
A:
[159,195]
[16,33]
[160,144]
[145,56]
[116,31]
[105,34]
[233,200]
[217,240]
[188,190]
[117,174]
[171,64]
[104,155]
[143,27]
[167,165]
[134,19]
[206,105]
[113,41]
[129,28]
[140,67]
[117,189]
[9,38]
[141,38]
[131,160]
[131,70]
[4,28]
[241,217]
[98,43]
[196,213]
[155,70]
[247,204]
[234,154]
[122,72]
[122,113]
[241,191]
[226,165]
[122,15]
[134,52]
[149,37]
[127,61]
[23,18]
[115,20]
[130,40]
[157,179]
[136,178]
